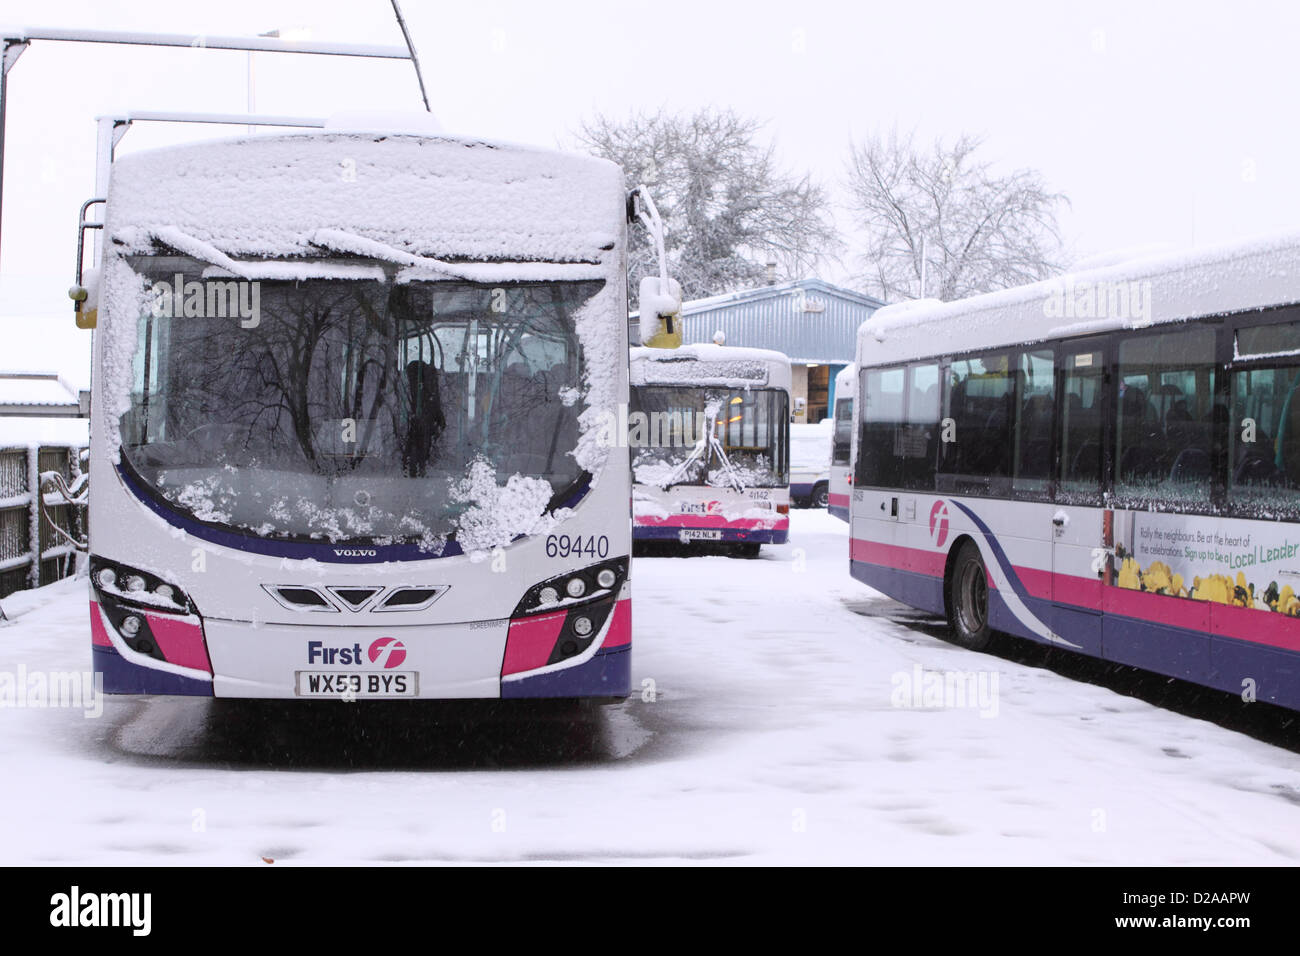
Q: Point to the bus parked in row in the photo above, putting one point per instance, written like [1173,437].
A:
[709,435]
[1107,462]
[841,471]
[341,444]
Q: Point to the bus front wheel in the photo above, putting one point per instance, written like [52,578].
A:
[968,599]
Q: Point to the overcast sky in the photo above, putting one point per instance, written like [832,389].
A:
[1162,122]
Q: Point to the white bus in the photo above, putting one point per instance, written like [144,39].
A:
[709,431]
[810,463]
[1107,462]
[344,444]
[841,472]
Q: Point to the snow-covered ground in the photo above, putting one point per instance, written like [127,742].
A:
[773,736]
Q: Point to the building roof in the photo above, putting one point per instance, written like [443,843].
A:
[809,320]
[36,388]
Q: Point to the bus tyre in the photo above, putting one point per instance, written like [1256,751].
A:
[968,599]
[749,549]
[821,496]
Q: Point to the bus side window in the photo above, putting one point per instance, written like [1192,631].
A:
[1263,463]
[920,434]
[880,457]
[1167,416]
[1080,428]
[1036,377]
[980,398]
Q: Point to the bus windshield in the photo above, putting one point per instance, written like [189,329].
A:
[749,425]
[360,410]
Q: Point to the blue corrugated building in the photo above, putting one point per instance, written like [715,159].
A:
[813,322]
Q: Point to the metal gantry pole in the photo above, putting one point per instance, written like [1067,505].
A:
[13,49]
[16,43]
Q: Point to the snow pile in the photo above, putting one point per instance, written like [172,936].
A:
[495,515]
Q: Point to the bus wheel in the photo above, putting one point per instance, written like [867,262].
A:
[749,549]
[821,496]
[968,599]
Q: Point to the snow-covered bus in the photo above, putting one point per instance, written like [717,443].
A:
[709,434]
[346,394]
[1107,462]
[841,473]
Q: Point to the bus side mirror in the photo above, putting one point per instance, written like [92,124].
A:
[660,308]
[659,304]
[85,300]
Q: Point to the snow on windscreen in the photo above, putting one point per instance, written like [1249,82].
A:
[342,244]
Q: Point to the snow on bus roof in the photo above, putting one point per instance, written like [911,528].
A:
[1254,273]
[470,200]
[720,366]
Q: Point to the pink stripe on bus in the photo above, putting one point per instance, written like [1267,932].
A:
[530,641]
[620,628]
[782,522]
[180,641]
[1253,625]
[839,501]
[98,634]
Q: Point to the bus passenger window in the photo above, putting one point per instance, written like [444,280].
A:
[1033,437]
[1083,376]
[880,458]
[919,437]
[980,397]
[1167,417]
[1264,434]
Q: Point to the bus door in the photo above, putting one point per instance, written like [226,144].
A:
[1078,540]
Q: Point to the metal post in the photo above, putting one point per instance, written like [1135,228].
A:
[13,49]
[14,45]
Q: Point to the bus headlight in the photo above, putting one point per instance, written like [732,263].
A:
[574,588]
[582,626]
[134,587]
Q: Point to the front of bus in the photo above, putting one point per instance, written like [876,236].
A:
[349,395]
[709,430]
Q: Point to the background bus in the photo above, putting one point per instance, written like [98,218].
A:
[709,430]
[1108,462]
[841,470]
[810,463]
[340,445]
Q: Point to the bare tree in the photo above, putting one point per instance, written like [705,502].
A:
[728,209]
[980,231]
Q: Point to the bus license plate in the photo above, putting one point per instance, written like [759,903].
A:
[694,534]
[337,684]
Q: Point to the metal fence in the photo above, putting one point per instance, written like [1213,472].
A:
[29,560]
